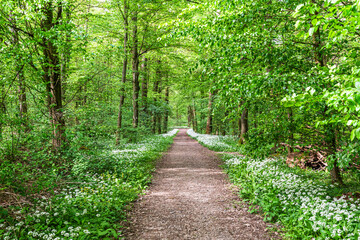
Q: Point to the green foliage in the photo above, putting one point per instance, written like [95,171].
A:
[300,200]
[92,200]
[303,202]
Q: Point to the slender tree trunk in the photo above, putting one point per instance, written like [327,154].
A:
[156,116]
[159,120]
[209,118]
[144,85]
[159,124]
[65,56]
[20,77]
[224,124]
[155,90]
[2,111]
[123,75]
[194,118]
[244,125]
[51,77]
[22,101]
[189,116]
[319,57]
[135,70]
[166,117]
[335,171]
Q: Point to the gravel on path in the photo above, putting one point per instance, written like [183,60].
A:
[191,198]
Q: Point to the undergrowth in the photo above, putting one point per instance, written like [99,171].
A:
[89,203]
[303,201]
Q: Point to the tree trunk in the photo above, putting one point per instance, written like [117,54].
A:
[158,115]
[209,118]
[189,116]
[159,124]
[23,109]
[123,75]
[194,123]
[135,70]
[244,125]
[224,123]
[2,111]
[51,77]
[20,77]
[335,171]
[317,45]
[155,90]
[144,84]
[166,116]
[65,55]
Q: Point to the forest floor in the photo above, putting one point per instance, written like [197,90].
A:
[191,198]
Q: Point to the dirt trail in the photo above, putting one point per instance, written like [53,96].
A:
[190,198]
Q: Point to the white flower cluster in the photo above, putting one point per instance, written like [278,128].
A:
[69,201]
[89,199]
[170,133]
[337,216]
[133,151]
[211,141]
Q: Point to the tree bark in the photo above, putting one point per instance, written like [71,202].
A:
[144,85]
[166,114]
[23,109]
[224,124]
[123,74]
[52,78]
[335,171]
[158,115]
[155,90]
[135,70]
[209,117]
[2,111]
[244,125]
[65,55]
[189,116]
[193,117]
[156,119]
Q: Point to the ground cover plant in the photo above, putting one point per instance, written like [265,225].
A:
[305,202]
[216,142]
[93,204]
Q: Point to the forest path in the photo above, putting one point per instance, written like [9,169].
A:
[191,198]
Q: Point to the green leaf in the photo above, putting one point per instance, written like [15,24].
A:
[357,133]
[314,22]
[325,26]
